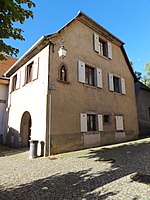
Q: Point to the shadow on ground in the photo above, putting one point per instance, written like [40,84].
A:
[125,159]
[73,185]
[9,151]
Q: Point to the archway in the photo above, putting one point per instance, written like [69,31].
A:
[25,129]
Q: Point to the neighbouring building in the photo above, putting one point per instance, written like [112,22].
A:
[80,100]
[4,84]
[143,108]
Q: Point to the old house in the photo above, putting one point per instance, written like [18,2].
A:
[81,97]
[143,108]
[4,84]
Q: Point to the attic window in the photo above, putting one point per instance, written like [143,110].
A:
[102,47]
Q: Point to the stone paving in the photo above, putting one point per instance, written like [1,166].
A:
[96,173]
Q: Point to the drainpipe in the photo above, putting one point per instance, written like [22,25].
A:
[48,106]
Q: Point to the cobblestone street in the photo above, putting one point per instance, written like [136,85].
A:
[96,173]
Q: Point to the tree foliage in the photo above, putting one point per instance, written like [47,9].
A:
[12,11]
[146,77]
[138,75]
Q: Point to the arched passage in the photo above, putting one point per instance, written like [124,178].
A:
[25,129]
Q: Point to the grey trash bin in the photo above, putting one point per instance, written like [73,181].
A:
[33,149]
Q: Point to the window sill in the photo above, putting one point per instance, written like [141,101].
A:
[61,81]
[92,132]
[90,86]
[119,131]
[118,93]
[103,56]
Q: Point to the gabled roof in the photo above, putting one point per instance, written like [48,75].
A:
[45,40]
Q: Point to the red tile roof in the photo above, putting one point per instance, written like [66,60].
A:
[6,64]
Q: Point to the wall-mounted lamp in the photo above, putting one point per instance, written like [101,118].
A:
[62,52]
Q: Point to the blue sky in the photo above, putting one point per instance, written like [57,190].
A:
[129,20]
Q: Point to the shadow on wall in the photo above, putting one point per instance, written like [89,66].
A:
[144,128]
[12,138]
[9,151]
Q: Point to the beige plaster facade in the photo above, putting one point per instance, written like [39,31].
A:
[92,104]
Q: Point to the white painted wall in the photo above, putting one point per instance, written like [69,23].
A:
[32,98]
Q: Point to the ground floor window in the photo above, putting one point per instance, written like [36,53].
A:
[91,122]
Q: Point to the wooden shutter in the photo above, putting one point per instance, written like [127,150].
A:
[18,80]
[123,89]
[111,83]
[83,122]
[109,46]
[35,69]
[99,78]
[81,71]
[96,42]
[23,76]
[119,123]
[100,123]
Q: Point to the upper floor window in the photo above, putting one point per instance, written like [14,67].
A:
[14,83]
[89,75]
[102,47]
[29,72]
[116,84]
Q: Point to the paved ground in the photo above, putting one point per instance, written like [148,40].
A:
[97,173]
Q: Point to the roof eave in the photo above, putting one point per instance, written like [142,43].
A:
[13,68]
